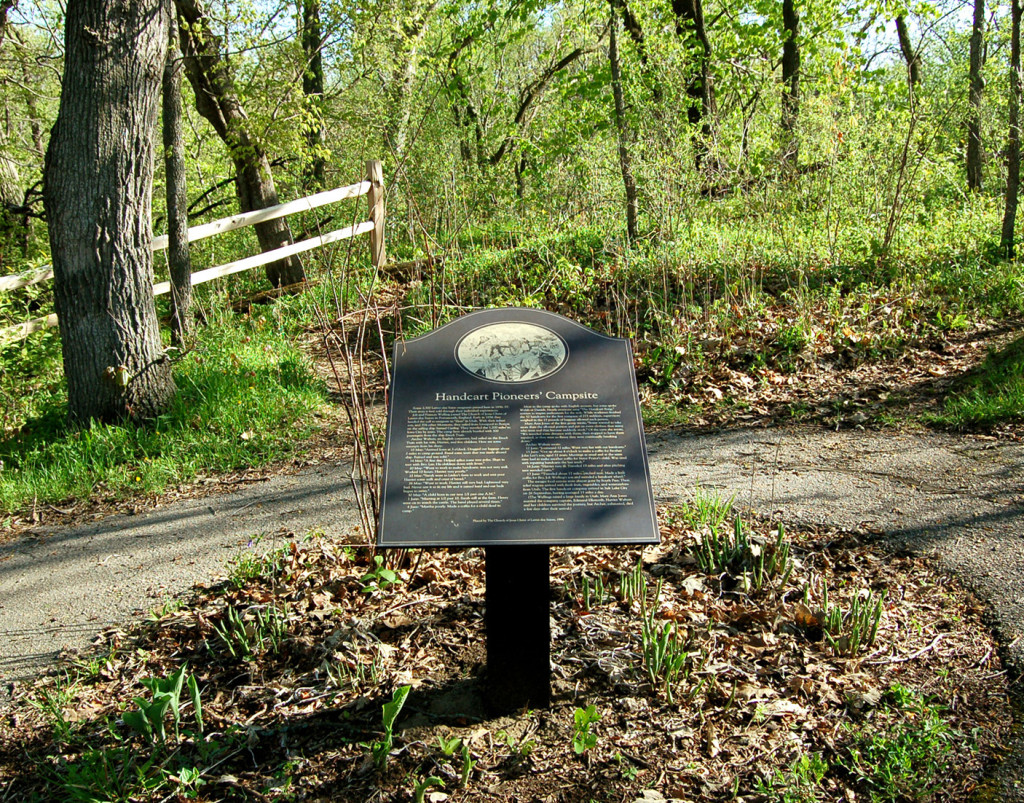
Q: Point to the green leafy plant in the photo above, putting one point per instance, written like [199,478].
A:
[755,565]
[583,738]
[521,747]
[905,760]
[381,748]
[594,592]
[420,788]
[467,766]
[665,652]
[248,634]
[108,773]
[189,780]
[250,566]
[800,783]
[628,770]
[632,583]
[379,577]
[703,509]
[449,746]
[149,717]
[345,671]
[52,701]
[847,632]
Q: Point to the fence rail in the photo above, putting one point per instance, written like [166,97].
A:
[373,187]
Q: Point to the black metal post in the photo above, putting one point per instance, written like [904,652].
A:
[517,619]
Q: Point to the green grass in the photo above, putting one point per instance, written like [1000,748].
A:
[246,397]
[992,395]
[904,753]
[659,412]
[31,373]
[907,758]
[745,283]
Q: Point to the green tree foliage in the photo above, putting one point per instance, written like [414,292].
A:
[502,110]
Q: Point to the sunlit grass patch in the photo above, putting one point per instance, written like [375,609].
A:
[245,397]
[994,394]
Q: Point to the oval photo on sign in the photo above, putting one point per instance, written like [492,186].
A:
[511,352]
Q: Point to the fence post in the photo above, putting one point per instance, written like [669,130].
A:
[375,175]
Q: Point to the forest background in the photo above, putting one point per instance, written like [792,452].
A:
[756,194]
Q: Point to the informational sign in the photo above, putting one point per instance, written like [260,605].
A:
[515,426]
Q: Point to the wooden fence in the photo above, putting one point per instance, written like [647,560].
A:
[373,187]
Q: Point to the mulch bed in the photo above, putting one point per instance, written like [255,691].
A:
[764,708]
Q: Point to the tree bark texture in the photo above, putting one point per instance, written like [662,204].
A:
[179,258]
[622,128]
[5,6]
[1013,143]
[217,101]
[399,87]
[99,179]
[790,83]
[700,88]
[977,87]
[632,26]
[910,56]
[313,91]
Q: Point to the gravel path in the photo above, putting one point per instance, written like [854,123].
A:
[958,499]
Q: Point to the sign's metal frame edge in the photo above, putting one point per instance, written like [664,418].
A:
[440,543]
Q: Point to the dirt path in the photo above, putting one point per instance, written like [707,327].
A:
[958,499]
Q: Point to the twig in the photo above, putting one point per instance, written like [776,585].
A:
[243,480]
[243,507]
[912,656]
[417,601]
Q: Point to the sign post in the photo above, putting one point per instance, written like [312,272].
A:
[515,430]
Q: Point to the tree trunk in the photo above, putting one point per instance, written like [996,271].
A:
[400,109]
[622,128]
[313,91]
[402,80]
[790,84]
[217,101]
[179,257]
[1013,144]
[632,26]
[977,87]
[910,56]
[701,110]
[5,6]
[99,180]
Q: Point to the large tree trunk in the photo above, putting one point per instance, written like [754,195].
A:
[99,179]
[790,84]
[217,101]
[178,255]
[701,110]
[977,87]
[622,128]
[313,92]
[1013,143]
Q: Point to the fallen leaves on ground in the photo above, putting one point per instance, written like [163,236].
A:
[761,704]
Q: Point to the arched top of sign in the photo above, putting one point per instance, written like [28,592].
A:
[511,352]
